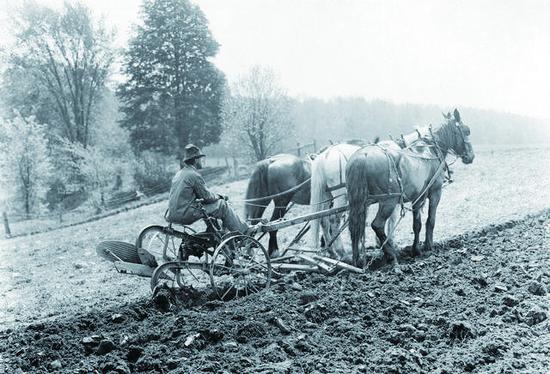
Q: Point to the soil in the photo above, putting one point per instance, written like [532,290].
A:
[478,303]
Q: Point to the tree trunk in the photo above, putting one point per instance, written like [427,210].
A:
[7,230]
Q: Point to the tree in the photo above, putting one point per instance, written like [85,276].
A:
[257,114]
[173,93]
[58,67]
[104,167]
[25,167]
[98,170]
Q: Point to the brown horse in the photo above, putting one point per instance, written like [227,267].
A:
[389,175]
[283,178]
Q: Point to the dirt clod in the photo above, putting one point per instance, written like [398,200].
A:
[481,280]
[461,330]
[117,318]
[509,300]
[317,313]
[535,316]
[537,288]
[249,331]
[308,297]
[500,288]
[105,346]
[163,300]
[134,353]
[56,365]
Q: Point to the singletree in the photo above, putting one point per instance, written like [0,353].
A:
[173,91]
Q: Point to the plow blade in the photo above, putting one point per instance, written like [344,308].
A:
[339,264]
[294,267]
[135,269]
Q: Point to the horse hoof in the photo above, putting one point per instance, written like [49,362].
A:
[416,252]
[275,254]
[347,259]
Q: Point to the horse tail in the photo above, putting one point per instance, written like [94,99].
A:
[358,194]
[258,187]
[319,197]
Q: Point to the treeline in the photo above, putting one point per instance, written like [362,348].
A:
[348,118]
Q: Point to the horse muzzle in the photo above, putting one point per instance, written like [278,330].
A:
[468,158]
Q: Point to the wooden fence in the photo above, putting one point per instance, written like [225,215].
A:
[302,149]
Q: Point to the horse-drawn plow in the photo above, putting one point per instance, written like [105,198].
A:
[232,263]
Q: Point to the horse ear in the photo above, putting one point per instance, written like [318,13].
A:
[456,115]
[444,115]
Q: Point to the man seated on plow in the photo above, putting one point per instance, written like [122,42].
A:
[188,185]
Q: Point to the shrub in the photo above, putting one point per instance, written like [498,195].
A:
[152,174]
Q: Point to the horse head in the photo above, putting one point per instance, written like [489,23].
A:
[457,137]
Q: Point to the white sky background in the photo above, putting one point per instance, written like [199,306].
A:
[486,54]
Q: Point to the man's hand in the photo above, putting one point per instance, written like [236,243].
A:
[223,197]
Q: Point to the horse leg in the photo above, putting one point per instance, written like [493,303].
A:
[331,227]
[430,221]
[335,222]
[391,224]
[279,211]
[417,226]
[384,212]
[328,232]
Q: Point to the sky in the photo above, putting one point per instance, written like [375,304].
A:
[492,54]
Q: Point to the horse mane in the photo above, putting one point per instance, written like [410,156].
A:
[257,187]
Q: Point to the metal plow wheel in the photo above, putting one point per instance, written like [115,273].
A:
[179,274]
[240,266]
[158,241]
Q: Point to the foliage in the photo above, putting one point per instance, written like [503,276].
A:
[256,114]
[108,145]
[25,166]
[102,168]
[58,68]
[152,174]
[173,92]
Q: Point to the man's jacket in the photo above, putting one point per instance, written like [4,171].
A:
[187,185]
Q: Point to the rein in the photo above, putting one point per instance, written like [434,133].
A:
[270,197]
[277,206]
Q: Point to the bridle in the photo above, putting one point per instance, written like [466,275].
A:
[447,147]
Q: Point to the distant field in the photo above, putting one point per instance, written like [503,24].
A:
[58,272]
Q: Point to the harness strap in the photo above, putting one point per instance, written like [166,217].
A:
[290,190]
[337,187]
[342,183]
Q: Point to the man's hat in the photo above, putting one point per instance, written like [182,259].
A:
[192,152]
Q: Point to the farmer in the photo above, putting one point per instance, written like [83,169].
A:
[188,185]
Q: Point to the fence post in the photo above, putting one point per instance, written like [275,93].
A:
[298,149]
[6,225]
[314,145]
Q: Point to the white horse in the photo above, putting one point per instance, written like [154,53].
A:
[328,182]
[328,189]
